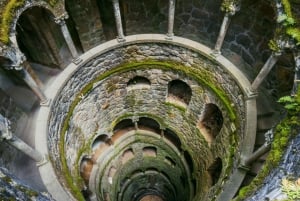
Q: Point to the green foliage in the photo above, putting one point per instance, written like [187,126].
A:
[291,189]
[289,23]
[7,17]
[273,45]
[228,6]
[282,133]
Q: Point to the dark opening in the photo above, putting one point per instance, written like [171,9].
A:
[179,91]
[145,123]
[212,120]
[215,170]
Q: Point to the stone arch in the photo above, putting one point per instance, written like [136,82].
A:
[138,82]
[150,151]
[86,165]
[148,123]
[100,139]
[179,92]
[12,23]
[173,138]
[41,39]
[211,122]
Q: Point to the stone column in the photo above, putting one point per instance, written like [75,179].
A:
[264,71]
[170,33]
[21,64]
[230,11]
[297,73]
[7,136]
[34,86]
[67,36]
[116,5]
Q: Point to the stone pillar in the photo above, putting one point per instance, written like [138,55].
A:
[67,36]
[230,11]
[20,64]
[297,73]
[170,33]
[7,136]
[34,86]
[264,71]
[116,5]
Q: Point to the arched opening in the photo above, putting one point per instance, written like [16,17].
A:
[147,123]
[179,93]
[215,170]
[211,122]
[149,152]
[127,155]
[101,139]
[86,166]
[151,198]
[138,83]
[41,39]
[122,127]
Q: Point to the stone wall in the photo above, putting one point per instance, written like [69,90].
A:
[250,30]
[108,99]
[87,21]
[142,16]
[12,188]
[289,168]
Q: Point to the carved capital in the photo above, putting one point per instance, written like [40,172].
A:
[61,20]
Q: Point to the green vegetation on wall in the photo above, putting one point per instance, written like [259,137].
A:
[202,76]
[8,14]
[286,129]
[289,23]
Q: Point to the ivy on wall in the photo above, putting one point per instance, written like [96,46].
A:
[285,130]
[8,13]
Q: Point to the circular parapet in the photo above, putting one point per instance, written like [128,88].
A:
[92,98]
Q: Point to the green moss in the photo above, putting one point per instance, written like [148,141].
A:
[282,133]
[200,75]
[289,22]
[7,17]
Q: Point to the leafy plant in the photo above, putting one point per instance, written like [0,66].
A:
[291,189]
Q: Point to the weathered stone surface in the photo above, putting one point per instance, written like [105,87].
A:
[12,188]
[139,103]
[289,168]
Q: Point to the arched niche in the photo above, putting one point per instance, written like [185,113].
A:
[122,127]
[41,39]
[215,170]
[173,138]
[138,82]
[179,93]
[86,166]
[148,123]
[125,123]
[127,155]
[149,151]
[99,140]
[211,122]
